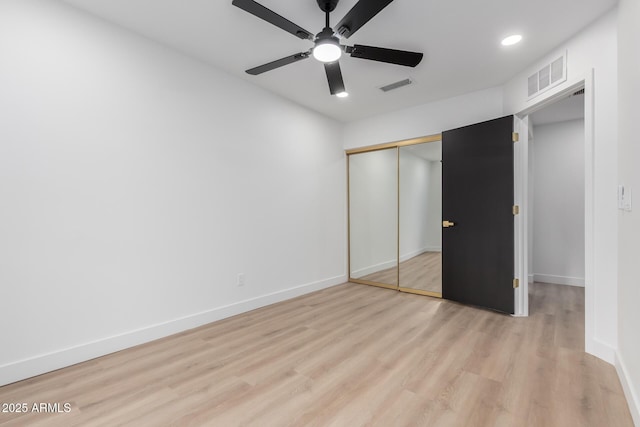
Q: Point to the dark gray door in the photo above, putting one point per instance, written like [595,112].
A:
[477,189]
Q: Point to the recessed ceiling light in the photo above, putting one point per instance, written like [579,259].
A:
[508,41]
[342,94]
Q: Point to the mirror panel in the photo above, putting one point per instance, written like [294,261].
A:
[373,216]
[421,218]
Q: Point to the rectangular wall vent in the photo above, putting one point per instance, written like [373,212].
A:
[396,85]
[548,76]
[544,78]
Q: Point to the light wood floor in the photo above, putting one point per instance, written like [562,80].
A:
[350,355]
[387,276]
[422,272]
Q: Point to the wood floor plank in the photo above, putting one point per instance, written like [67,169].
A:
[422,272]
[351,355]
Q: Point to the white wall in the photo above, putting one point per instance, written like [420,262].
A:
[426,119]
[373,198]
[531,204]
[414,202]
[592,56]
[434,208]
[136,183]
[420,205]
[628,361]
[558,203]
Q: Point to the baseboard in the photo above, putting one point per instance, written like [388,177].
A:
[413,254]
[531,278]
[559,280]
[392,263]
[630,392]
[373,269]
[600,350]
[41,364]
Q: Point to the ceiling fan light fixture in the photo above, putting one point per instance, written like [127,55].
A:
[327,50]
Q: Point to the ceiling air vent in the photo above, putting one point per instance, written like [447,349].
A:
[548,76]
[396,85]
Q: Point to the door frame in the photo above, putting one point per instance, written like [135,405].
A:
[521,185]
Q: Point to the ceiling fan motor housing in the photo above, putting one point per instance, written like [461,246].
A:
[326,35]
[327,5]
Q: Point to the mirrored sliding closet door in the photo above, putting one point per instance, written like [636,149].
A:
[395,215]
[420,218]
[373,217]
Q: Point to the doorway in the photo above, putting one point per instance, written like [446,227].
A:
[556,193]
[524,259]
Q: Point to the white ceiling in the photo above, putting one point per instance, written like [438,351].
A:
[460,40]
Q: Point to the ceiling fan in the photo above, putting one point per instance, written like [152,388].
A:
[327,47]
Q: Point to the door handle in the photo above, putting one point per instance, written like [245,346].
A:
[447,224]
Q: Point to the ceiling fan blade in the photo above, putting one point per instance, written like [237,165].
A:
[270,16]
[278,63]
[392,56]
[334,76]
[359,15]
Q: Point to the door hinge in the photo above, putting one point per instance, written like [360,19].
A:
[516,283]
[516,137]
[516,209]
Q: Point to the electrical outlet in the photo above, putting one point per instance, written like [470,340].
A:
[240,280]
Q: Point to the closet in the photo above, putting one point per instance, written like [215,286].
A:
[435,215]
[395,205]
